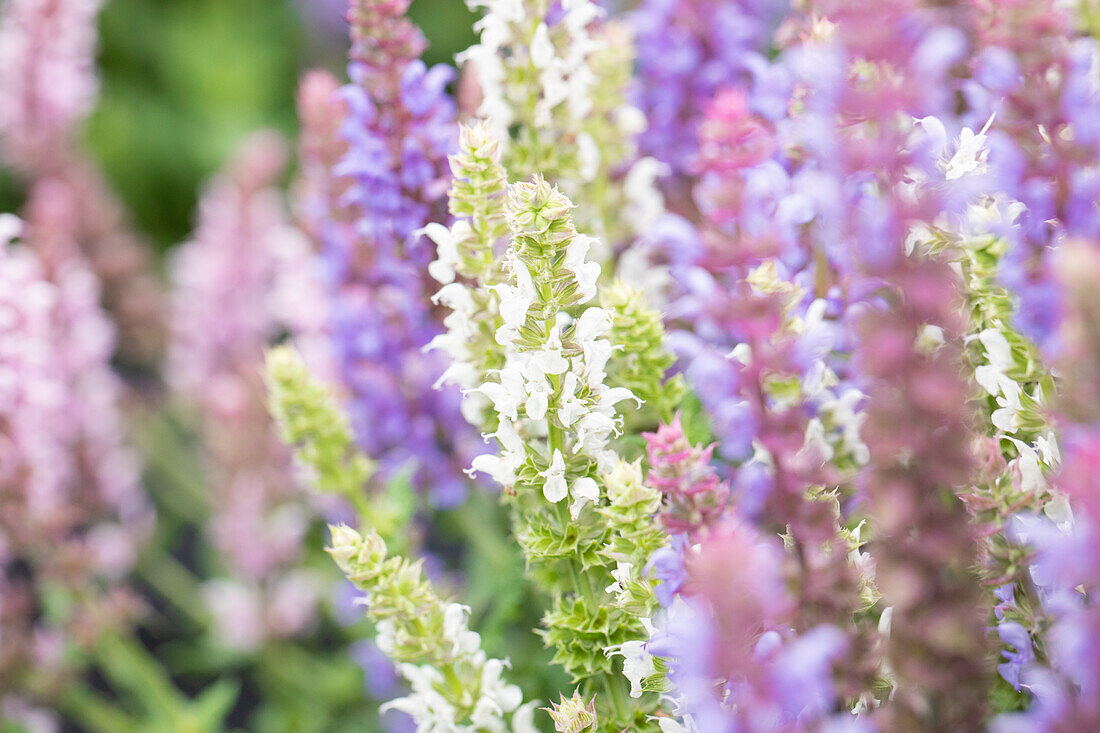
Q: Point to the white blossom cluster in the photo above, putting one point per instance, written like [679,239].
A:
[490,699]
[509,43]
[1003,351]
[534,383]
[566,110]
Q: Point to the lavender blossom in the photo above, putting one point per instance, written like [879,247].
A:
[735,664]
[393,180]
[690,50]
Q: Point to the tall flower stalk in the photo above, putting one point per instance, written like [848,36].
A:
[553,87]
[49,85]
[533,362]
[454,685]
[390,181]
[920,429]
[72,515]
[243,279]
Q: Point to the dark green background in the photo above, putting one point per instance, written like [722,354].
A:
[184,80]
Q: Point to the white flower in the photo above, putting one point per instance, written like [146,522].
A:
[502,468]
[572,407]
[621,574]
[644,201]
[457,297]
[637,663]
[585,273]
[555,90]
[11,228]
[1005,418]
[463,641]
[523,721]
[588,157]
[593,431]
[997,348]
[815,443]
[474,404]
[993,379]
[671,725]
[446,241]
[425,705]
[596,355]
[843,414]
[638,267]
[630,120]
[1048,448]
[584,490]
[465,376]
[1027,463]
[542,50]
[494,466]
[1059,511]
[988,376]
[487,716]
[515,301]
[538,399]
[507,697]
[742,353]
[592,324]
[384,636]
[509,393]
[548,360]
[579,94]
[509,439]
[554,487]
[614,396]
[970,157]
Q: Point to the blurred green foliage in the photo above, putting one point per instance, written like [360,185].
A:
[184,80]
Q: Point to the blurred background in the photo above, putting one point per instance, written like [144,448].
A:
[183,81]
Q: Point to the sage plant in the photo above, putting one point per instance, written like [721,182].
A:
[73,517]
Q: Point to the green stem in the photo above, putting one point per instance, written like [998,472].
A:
[81,703]
[174,583]
[614,688]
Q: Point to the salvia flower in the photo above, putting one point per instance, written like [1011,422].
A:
[47,77]
[391,181]
[1065,569]
[919,428]
[72,516]
[553,82]
[728,647]
[48,82]
[691,49]
[553,416]
[244,280]
[695,497]
[454,685]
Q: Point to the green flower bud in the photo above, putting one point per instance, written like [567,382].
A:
[574,715]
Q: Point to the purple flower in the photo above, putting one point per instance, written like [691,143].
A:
[667,566]
[393,178]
